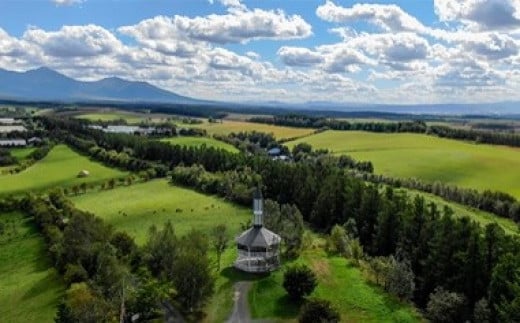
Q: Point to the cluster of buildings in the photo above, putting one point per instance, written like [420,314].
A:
[12,132]
[134,130]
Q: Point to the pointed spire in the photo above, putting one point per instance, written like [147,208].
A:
[258,208]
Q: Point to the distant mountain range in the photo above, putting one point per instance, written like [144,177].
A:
[44,84]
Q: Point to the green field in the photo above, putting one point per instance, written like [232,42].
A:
[199,141]
[59,168]
[429,158]
[135,208]
[339,282]
[112,116]
[21,153]
[30,288]
[229,126]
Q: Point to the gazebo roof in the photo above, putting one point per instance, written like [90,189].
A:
[258,237]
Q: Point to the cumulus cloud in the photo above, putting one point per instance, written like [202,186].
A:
[480,14]
[74,41]
[234,27]
[387,17]
[297,56]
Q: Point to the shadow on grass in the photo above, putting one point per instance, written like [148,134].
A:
[235,275]
[286,308]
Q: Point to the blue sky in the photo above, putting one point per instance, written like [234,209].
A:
[409,51]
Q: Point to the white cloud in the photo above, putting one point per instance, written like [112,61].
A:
[237,26]
[480,14]
[74,41]
[296,56]
[387,17]
[67,2]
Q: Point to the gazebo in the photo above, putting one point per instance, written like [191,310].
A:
[258,248]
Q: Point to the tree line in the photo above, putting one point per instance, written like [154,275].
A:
[477,136]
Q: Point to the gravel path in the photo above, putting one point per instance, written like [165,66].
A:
[240,312]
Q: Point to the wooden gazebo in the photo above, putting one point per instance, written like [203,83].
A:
[258,248]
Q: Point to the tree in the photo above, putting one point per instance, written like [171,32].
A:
[299,281]
[504,289]
[400,279]
[191,275]
[338,240]
[355,250]
[83,187]
[83,305]
[482,312]
[160,251]
[318,311]
[219,240]
[445,307]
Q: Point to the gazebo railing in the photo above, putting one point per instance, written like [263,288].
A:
[257,254]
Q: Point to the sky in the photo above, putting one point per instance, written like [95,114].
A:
[395,52]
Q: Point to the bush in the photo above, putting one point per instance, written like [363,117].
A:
[318,311]
[75,274]
[445,306]
[299,281]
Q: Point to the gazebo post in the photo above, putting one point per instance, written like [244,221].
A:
[249,258]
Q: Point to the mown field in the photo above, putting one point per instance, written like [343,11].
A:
[59,168]
[229,126]
[21,153]
[135,208]
[200,141]
[428,158]
[30,288]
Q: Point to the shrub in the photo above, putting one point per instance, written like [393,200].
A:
[299,281]
[318,311]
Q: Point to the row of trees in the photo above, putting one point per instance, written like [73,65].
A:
[499,203]
[478,136]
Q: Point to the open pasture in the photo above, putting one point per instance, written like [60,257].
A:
[200,141]
[339,282]
[429,158]
[30,288]
[135,208]
[229,126]
[59,168]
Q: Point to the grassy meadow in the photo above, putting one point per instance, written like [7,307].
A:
[59,168]
[339,282]
[429,158]
[229,126]
[30,288]
[199,141]
[21,153]
[137,207]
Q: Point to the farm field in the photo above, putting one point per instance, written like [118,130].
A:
[135,208]
[428,158]
[59,168]
[229,126]
[199,141]
[30,288]
[339,282]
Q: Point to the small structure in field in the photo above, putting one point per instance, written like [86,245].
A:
[258,248]
[83,173]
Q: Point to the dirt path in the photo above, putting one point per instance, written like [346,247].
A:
[240,312]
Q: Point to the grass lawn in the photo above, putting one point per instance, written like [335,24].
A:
[21,153]
[137,207]
[199,141]
[30,288]
[339,282]
[229,126]
[112,116]
[59,168]
[429,158]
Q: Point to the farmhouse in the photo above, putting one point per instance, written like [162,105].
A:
[258,248]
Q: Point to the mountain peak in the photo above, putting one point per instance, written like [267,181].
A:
[47,84]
